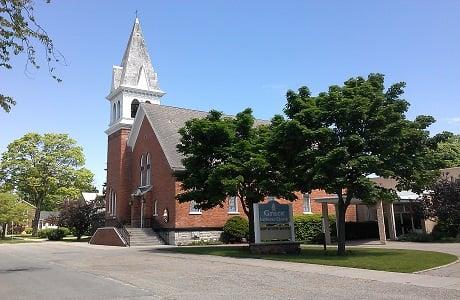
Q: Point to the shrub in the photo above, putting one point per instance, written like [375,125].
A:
[43,233]
[56,234]
[236,229]
[444,229]
[416,237]
[309,228]
[361,230]
[66,230]
[28,230]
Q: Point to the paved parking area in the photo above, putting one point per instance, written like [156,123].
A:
[58,270]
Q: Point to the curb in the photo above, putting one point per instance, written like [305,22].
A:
[438,267]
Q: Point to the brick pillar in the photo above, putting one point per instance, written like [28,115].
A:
[381,222]
[327,230]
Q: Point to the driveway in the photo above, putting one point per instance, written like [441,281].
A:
[452,270]
[58,270]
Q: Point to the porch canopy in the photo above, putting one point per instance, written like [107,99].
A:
[389,211]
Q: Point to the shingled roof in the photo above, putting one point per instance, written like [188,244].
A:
[166,122]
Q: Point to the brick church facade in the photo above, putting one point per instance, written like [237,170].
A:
[142,157]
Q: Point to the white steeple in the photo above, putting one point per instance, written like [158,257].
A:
[133,82]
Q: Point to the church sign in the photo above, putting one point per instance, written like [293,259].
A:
[273,222]
[273,213]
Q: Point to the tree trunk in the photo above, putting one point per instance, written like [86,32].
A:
[251,224]
[36,220]
[3,231]
[341,210]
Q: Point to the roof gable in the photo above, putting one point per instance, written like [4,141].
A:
[166,122]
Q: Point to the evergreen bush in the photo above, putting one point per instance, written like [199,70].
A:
[236,230]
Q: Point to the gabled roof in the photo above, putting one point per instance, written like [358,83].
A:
[166,122]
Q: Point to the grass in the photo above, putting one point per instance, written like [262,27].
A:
[15,241]
[73,239]
[391,260]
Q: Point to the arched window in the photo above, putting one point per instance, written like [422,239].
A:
[118,110]
[109,203]
[148,171]
[142,181]
[114,206]
[114,112]
[134,107]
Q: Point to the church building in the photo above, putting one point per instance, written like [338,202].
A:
[142,158]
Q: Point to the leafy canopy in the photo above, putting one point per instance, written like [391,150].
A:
[227,156]
[81,216]
[11,209]
[335,140]
[45,169]
[450,151]
[20,33]
[443,204]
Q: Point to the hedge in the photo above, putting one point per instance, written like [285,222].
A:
[309,228]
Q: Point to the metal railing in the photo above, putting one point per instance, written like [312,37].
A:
[118,224]
[124,234]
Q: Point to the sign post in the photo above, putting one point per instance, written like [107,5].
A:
[274,229]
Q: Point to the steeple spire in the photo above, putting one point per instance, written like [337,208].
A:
[136,70]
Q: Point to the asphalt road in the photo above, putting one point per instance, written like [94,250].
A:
[57,270]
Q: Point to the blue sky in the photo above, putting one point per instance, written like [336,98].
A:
[230,55]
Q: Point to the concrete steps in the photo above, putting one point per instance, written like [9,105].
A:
[144,237]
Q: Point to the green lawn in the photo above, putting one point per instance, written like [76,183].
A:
[15,241]
[73,239]
[404,261]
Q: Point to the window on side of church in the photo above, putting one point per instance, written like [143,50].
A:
[306,203]
[155,208]
[193,209]
[142,181]
[109,203]
[232,205]
[148,171]
[114,205]
[134,107]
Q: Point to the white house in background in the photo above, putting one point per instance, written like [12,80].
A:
[47,219]
[88,197]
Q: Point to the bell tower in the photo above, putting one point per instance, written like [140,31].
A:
[133,82]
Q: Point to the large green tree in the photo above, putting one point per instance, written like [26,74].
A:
[450,151]
[335,140]
[11,210]
[21,33]
[226,156]
[44,170]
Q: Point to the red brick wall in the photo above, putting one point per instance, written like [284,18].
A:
[163,182]
[118,171]
[216,217]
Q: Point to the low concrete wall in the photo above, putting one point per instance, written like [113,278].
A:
[180,238]
[108,236]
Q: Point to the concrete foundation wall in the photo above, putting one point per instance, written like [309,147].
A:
[180,238]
